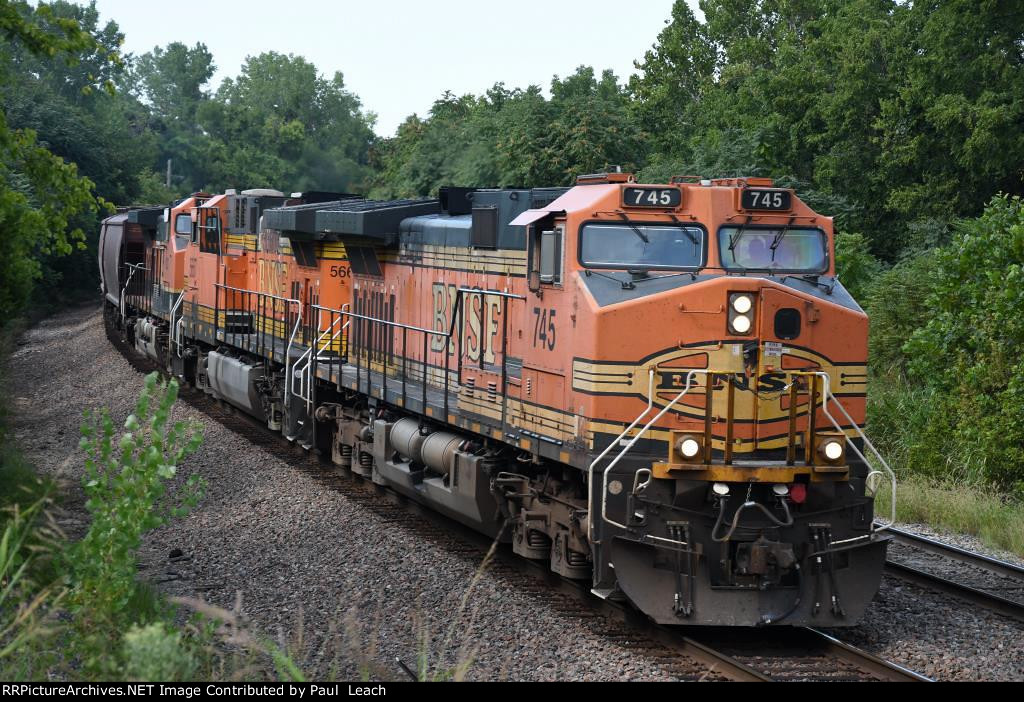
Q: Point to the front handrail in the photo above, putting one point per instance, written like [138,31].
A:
[626,449]
[607,450]
[826,396]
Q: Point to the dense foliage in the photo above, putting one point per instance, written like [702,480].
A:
[513,138]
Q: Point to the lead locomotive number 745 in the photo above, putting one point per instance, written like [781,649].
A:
[656,388]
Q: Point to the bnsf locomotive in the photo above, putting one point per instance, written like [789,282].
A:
[657,388]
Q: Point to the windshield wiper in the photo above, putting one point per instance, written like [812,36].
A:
[735,239]
[780,236]
[636,229]
[626,284]
[686,230]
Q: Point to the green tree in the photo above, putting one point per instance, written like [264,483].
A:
[281,124]
[172,81]
[42,196]
[514,138]
[951,133]
[969,348]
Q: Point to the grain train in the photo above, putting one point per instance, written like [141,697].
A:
[658,389]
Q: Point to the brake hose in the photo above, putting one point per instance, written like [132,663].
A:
[736,519]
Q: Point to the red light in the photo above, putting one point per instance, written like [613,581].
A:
[798,493]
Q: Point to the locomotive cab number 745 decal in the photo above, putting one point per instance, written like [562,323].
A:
[544,335]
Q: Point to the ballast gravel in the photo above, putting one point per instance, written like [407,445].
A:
[351,591]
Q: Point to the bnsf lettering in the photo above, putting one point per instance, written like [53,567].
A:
[769,382]
[273,277]
[481,322]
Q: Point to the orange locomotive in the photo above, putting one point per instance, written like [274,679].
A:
[658,388]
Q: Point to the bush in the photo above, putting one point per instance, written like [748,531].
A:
[856,266]
[968,352]
[127,496]
[896,303]
[156,652]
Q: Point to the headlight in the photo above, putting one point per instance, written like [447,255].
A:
[742,324]
[833,450]
[742,307]
[721,489]
[742,304]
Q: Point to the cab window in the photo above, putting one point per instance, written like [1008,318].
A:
[642,246]
[781,249]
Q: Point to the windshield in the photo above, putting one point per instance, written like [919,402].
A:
[790,250]
[642,246]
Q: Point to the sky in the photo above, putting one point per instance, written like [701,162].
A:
[399,56]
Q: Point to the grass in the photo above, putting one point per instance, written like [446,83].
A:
[997,520]
[941,482]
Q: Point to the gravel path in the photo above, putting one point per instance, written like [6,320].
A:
[359,588]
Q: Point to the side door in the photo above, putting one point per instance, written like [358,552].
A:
[542,334]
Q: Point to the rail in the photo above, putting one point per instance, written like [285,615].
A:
[177,326]
[372,341]
[826,397]
[133,268]
[308,361]
[278,306]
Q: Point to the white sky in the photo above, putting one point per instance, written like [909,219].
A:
[399,56]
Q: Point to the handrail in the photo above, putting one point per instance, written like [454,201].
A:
[176,327]
[826,395]
[295,330]
[448,337]
[124,291]
[626,449]
[590,472]
[306,379]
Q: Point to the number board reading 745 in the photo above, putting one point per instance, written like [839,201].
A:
[770,200]
[656,198]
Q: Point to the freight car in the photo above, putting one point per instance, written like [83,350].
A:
[656,388]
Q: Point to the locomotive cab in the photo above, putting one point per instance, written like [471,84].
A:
[722,367]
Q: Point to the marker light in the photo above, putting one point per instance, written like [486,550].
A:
[833,450]
[742,324]
[743,304]
[721,489]
[781,490]
[689,448]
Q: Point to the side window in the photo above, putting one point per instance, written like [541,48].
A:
[545,256]
[209,237]
[182,230]
[551,257]
[183,224]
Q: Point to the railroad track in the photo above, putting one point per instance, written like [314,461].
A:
[983,581]
[689,654]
